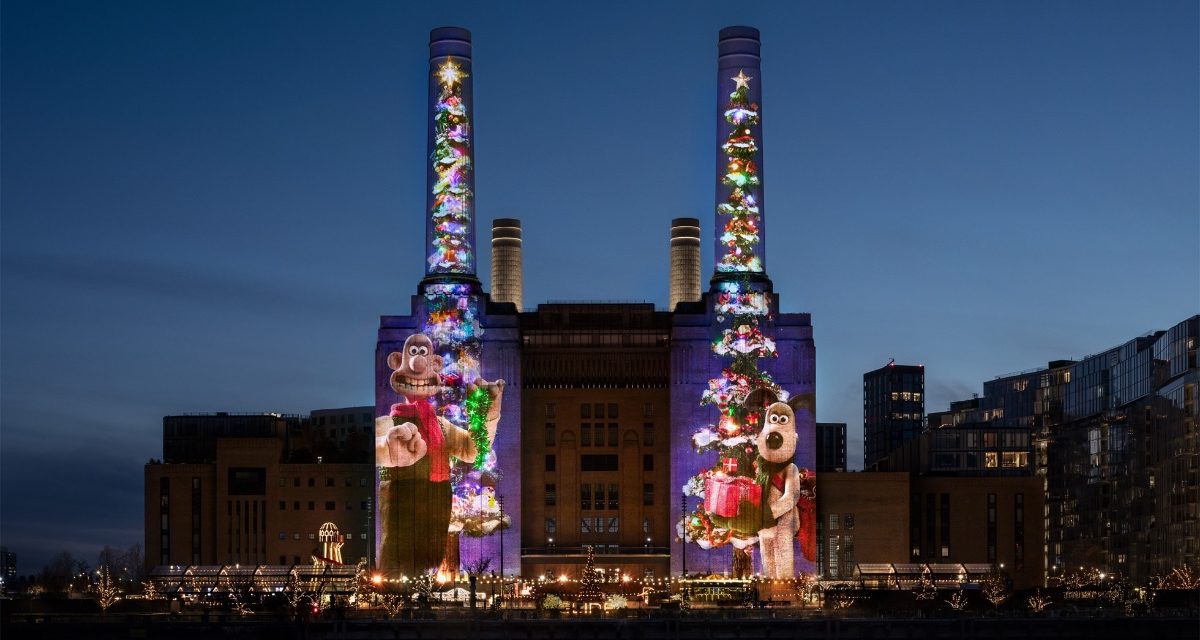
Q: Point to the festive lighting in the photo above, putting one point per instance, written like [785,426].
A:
[451,211]
[740,237]
[742,80]
[450,74]
[730,505]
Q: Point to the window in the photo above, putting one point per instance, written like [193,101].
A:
[585,411]
[991,460]
[585,525]
[1014,459]
[598,496]
[549,434]
[612,411]
[833,521]
[612,434]
[349,481]
[330,505]
[349,506]
[312,536]
[283,535]
[551,462]
[598,462]
[551,495]
[283,505]
[550,410]
[598,410]
[296,505]
[329,482]
[648,410]
[363,505]
[848,521]
[349,536]
[312,482]
[646,525]
[613,523]
[283,482]
[551,524]
[296,535]
[647,434]
[311,505]
[613,502]
[362,482]
[648,462]
[647,495]
[585,435]
[832,558]
[296,481]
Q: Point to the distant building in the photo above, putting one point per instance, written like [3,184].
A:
[257,488]
[831,446]
[1115,437]
[1123,491]
[8,569]
[893,409]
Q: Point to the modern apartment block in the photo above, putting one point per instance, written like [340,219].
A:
[893,409]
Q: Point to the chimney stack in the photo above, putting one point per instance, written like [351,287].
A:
[740,231]
[507,281]
[685,261]
[450,203]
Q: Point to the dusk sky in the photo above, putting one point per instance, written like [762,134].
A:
[208,205]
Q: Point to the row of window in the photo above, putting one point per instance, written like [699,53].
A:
[586,431]
[594,498]
[330,505]
[343,418]
[610,526]
[906,395]
[600,410]
[599,462]
[330,481]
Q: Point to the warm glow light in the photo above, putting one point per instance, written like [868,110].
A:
[562,578]
[450,74]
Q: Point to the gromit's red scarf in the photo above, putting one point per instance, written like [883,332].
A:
[431,431]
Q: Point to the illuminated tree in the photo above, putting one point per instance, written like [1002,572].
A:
[741,236]
[958,600]
[451,165]
[108,592]
[589,588]
[1038,602]
[995,588]
[731,511]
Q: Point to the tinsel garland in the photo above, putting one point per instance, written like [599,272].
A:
[477,404]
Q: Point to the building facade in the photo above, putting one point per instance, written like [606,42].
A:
[893,409]
[831,446]
[896,518]
[256,489]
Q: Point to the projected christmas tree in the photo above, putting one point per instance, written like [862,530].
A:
[740,237]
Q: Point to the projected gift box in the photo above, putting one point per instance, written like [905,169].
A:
[734,502]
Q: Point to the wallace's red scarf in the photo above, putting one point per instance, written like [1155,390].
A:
[431,431]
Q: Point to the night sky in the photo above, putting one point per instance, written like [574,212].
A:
[207,205]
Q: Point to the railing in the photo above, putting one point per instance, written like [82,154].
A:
[600,550]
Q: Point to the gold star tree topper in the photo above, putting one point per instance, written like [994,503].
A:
[450,73]
[742,80]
